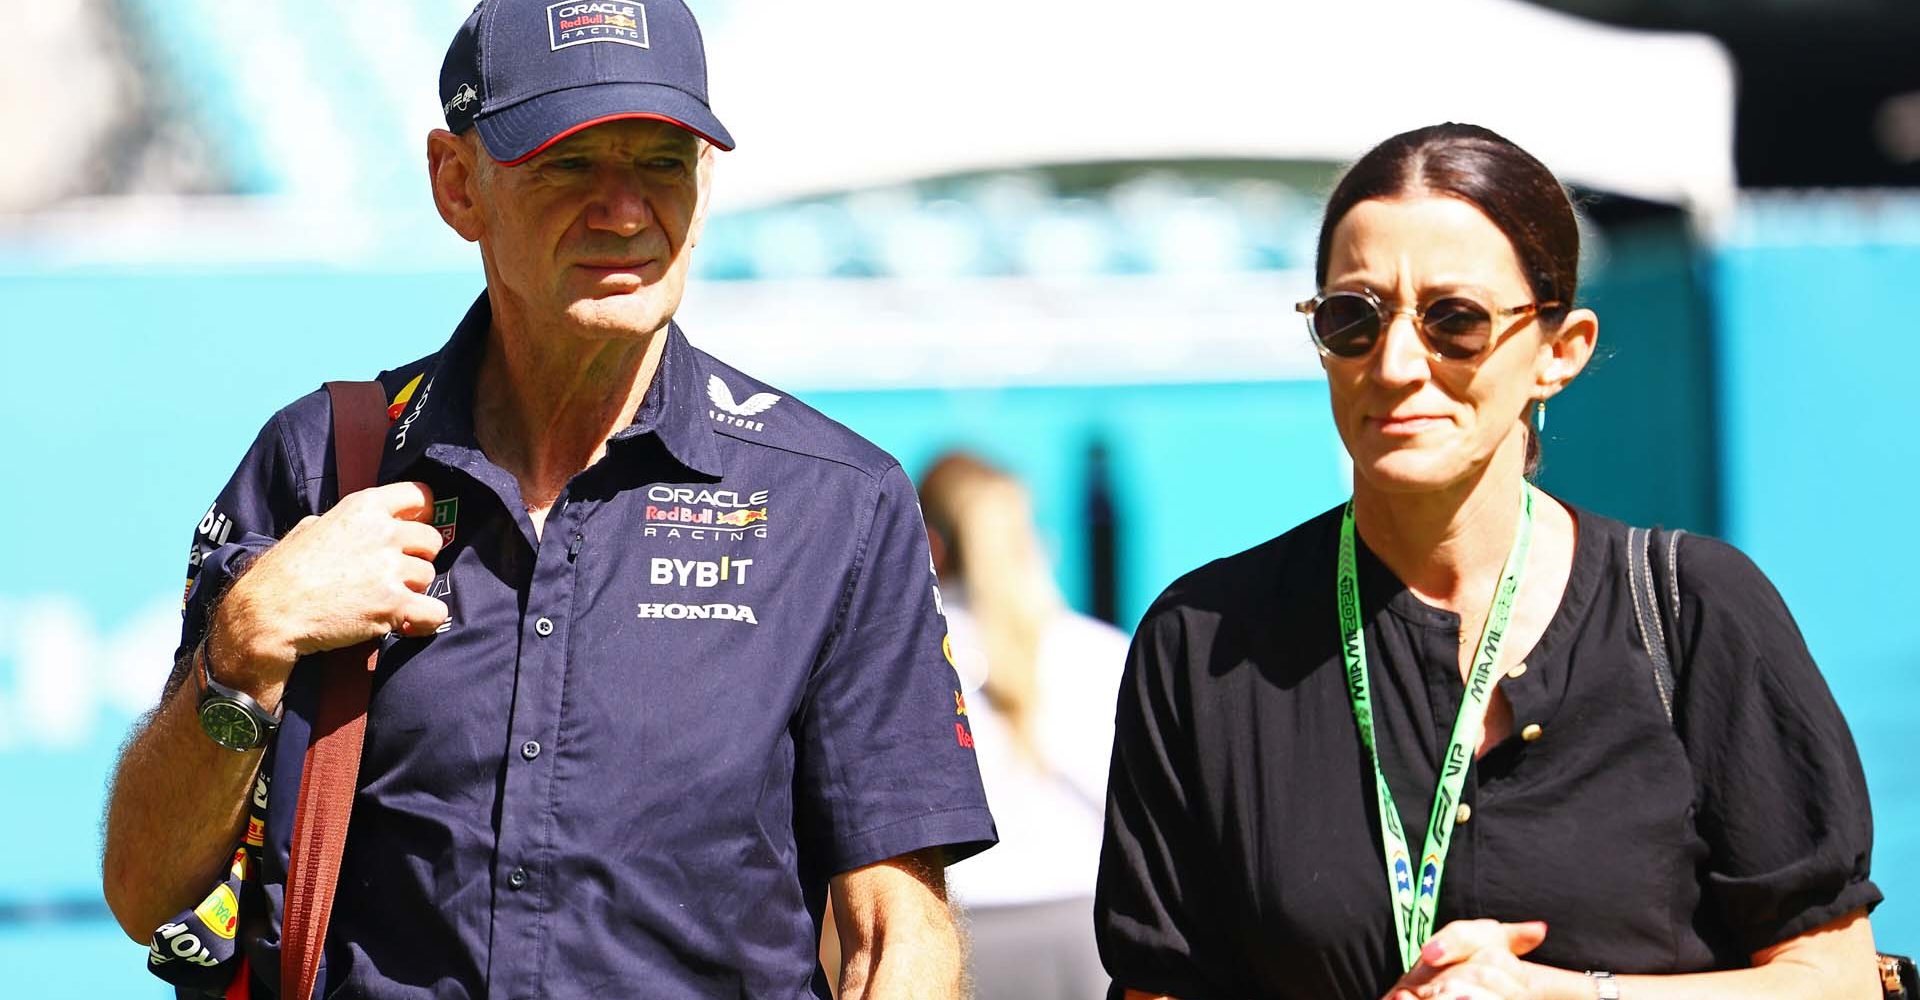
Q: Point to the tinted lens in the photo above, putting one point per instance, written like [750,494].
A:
[1346,324]
[1458,329]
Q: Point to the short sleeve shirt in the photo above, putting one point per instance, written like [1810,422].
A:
[648,736]
[1242,849]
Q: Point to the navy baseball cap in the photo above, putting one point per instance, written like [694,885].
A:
[528,73]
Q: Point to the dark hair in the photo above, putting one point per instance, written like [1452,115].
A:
[1503,181]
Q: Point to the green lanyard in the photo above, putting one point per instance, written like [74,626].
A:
[1413,911]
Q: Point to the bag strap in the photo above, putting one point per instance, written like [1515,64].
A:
[331,772]
[1656,612]
[1658,620]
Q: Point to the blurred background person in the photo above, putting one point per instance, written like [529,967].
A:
[1041,680]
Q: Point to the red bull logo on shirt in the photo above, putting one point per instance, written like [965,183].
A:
[682,515]
[700,514]
[718,519]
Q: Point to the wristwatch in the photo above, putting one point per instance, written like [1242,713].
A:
[231,718]
[1605,987]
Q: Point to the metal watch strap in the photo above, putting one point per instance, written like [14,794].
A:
[1605,987]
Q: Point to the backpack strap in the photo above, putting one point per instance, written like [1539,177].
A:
[331,771]
[1656,610]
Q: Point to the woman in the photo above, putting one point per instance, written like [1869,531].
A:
[1583,844]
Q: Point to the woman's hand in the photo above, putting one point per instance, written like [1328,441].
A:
[1473,960]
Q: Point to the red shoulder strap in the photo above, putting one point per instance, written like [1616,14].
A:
[330,775]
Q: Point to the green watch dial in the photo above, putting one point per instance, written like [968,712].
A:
[230,725]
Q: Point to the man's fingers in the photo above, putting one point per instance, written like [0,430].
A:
[422,541]
[416,573]
[420,616]
[412,501]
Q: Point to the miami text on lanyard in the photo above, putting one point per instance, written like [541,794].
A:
[1413,907]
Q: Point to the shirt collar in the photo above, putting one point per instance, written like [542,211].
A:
[442,406]
[674,408]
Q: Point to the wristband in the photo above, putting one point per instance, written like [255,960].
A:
[1605,987]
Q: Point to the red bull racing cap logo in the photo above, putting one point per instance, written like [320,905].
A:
[577,23]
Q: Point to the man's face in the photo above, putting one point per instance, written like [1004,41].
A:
[596,232]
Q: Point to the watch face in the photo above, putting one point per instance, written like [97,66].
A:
[230,725]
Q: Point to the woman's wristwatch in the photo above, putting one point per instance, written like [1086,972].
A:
[1605,987]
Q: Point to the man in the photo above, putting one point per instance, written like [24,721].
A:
[662,655]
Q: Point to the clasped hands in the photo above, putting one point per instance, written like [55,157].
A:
[1474,960]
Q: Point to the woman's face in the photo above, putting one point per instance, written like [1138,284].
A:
[1413,423]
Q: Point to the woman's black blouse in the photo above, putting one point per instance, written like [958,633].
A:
[1242,855]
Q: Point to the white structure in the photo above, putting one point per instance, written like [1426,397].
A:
[846,94]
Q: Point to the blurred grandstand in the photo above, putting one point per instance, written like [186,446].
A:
[986,158]
[102,120]
[1069,240]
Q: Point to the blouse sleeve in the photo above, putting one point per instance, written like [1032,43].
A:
[1782,798]
[1147,903]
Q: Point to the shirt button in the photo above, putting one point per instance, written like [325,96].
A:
[1518,669]
[1532,732]
[544,626]
[530,749]
[517,878]
[1461,815]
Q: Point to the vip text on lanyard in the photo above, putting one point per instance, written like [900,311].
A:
[1413,908]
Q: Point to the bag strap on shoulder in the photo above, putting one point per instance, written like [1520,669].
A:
[331,771]
[1656,610]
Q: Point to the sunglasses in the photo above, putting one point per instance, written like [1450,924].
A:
[1454,327]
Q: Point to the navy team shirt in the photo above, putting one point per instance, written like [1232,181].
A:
[645,739]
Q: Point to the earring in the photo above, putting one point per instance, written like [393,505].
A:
[1540,416]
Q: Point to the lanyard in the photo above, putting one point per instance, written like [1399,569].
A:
[1413,911]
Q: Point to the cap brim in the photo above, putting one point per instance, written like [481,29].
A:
[515,134]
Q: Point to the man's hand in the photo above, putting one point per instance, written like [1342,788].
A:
[357,572]
[898,938]
[178,802]
[1473,958]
